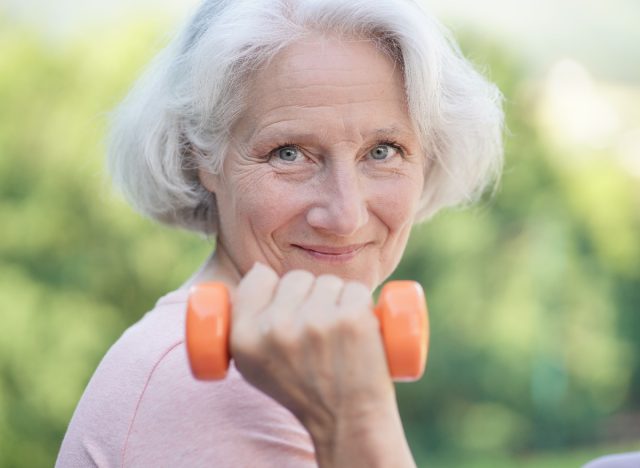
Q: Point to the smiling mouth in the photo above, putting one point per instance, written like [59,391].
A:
[331,254]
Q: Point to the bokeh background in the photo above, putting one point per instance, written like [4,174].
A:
[534,293]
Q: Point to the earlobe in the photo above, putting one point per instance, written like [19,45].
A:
[209,180]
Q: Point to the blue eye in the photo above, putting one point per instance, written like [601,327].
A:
[382,152]
[288,153]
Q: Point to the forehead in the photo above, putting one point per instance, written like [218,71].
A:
[328,75]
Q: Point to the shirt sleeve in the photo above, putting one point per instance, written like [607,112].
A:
[142,407]
[180,421]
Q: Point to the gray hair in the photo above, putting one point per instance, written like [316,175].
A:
[178,116]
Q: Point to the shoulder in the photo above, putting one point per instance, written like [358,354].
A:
[127,367]
[180,420]
[620,460]
[101,420]
[144,408]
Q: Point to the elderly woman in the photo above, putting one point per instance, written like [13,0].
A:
[308,136]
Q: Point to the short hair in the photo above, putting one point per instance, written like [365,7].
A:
[178,116]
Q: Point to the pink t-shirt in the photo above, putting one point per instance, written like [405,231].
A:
[142,407]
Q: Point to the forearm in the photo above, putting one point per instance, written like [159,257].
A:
[374,440]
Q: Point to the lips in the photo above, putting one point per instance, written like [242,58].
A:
[329,253]
[332,250]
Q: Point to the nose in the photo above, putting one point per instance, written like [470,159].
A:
[341,204]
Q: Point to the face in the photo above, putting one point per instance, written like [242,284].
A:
[325,169]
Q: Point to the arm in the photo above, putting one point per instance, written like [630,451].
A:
[376,440]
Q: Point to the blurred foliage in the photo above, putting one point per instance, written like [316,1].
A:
[534,294]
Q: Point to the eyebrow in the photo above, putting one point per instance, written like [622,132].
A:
[392,130]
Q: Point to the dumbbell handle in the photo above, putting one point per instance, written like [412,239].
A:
[401,311]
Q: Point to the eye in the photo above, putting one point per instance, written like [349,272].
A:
[287,153]
[383,151]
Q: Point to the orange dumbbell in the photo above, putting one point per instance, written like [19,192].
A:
[401,311]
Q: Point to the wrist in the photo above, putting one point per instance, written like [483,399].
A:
[369,437]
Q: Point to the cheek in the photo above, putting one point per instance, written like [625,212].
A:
[396,203]
[268,205]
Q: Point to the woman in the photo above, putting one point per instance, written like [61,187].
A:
[308,136]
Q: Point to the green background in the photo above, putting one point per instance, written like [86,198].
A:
[534,294]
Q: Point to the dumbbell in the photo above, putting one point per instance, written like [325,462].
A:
[401,312]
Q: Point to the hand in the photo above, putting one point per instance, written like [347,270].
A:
[313,344]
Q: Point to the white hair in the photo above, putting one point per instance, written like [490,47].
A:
[178,116]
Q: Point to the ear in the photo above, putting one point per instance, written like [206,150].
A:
[212,182]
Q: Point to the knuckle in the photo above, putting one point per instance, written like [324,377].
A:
[357,290]
[359,285]
[263,339]
[284,338]
[316,331]
[348,324]
[357,317]
[278,331]
[259,275]
[297,276]
[280,326]
[330,280]
[244,342]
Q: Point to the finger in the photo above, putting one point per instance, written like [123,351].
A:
[293,289]
[355,301]
[355,295]
[325,293]
[356,305]
[255,292]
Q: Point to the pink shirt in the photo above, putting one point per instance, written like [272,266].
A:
[142,407]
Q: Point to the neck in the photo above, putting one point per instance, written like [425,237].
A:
[218,267]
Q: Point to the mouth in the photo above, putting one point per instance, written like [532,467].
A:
[331,254]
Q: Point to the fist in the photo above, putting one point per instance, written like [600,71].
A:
[311,343]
